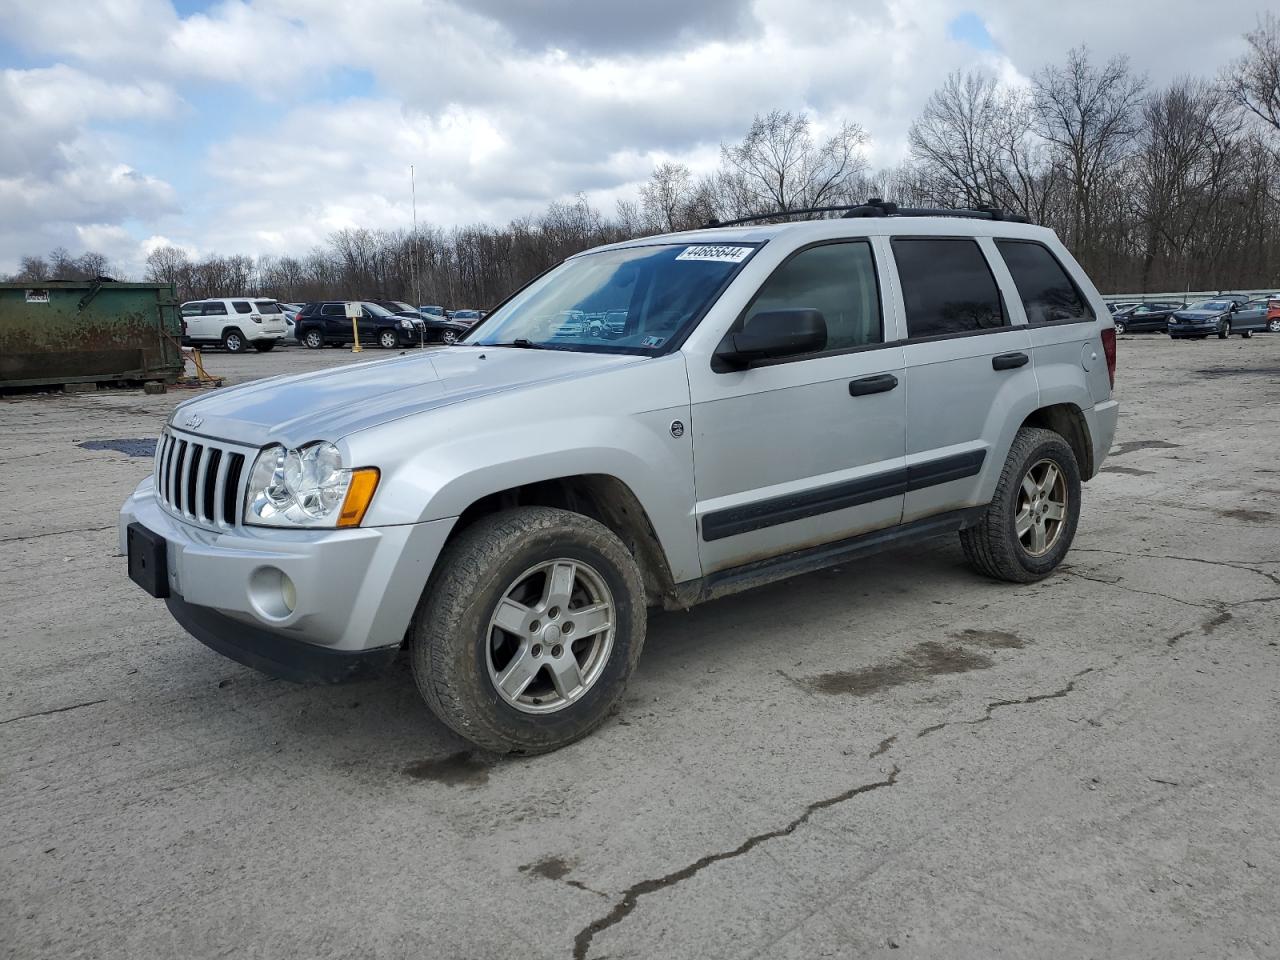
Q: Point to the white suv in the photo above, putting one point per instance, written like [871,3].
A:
[235,322]
[764,401]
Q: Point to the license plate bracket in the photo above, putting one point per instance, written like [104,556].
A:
[148,560]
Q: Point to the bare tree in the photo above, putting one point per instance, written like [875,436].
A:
[1253,81]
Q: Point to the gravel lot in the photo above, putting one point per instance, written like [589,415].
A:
[893,757]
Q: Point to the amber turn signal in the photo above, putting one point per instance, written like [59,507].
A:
[359,495]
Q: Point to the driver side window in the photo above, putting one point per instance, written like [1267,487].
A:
[838,280]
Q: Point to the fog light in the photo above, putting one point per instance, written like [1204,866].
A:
[272,593]
[288,592]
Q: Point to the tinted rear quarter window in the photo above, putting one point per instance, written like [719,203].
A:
[333,310]
[947,287]
[242,306]
[267,306]
[1047,292]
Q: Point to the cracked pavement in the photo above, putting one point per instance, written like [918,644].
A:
[895,757]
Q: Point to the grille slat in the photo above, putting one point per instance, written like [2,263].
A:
[202,481]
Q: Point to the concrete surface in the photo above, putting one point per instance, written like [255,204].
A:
[894,758]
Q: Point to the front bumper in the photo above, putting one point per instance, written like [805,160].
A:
[1197,329]
[356,589]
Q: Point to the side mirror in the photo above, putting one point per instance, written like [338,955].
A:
[773,334]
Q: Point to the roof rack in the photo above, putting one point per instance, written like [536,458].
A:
[875,207]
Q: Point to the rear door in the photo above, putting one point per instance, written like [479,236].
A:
[1251,317]
[968,371]
[336,324]
[213,320]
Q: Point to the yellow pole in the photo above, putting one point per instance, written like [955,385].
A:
[355,336]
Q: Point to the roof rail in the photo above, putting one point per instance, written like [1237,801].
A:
[875,207]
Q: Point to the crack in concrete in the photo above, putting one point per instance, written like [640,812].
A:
[1229,564]
[998,704]
[1072,572]
[885,744]
[57,533]
[631,896]
[45,713]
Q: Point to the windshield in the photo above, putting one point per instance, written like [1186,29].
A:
[632,300]
[378,311]
[1212,305]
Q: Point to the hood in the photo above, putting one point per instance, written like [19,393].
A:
[329,404]
[1198,314]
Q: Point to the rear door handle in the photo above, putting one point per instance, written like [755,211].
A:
[880,383]
[1009,361]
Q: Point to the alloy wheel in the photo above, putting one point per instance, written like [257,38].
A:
[551,635]
[1042,508]
[449,336]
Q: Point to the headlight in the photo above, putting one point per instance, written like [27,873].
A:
[406,323]
[307,487]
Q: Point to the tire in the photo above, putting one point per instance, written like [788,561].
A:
[1224,330]
[448,337]
[388,340]
[1273,326]
[233,342]
[313,338]
[456,661]
[1246,335]
[992,546]
[264,346]
[1119,327]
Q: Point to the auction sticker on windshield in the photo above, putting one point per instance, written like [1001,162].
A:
[719,252]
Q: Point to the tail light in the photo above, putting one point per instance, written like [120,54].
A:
[1109,350]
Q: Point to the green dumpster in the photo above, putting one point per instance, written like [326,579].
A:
[88,331]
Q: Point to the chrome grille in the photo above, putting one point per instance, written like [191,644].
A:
[200,479]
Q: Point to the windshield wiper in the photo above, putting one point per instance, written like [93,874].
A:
[520,342]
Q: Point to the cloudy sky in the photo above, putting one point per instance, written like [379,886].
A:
[258,126]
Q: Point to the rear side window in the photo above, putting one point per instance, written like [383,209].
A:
[333,310]
[215,308]
[192,309]
[837,279]
[1046,291]
[242,306]
[947,287]
[267,306]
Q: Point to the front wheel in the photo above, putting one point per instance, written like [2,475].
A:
[264,346]
[449,337]
[314,339]
[1119,327]
[233,341]
[1224,331]
[388,340]
[1273,326]
[527,635]
[1030,523]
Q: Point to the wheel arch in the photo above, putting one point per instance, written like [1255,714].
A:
[1068,421]
[603,498]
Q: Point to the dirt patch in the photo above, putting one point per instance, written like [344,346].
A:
[995,639]
[1248,516]
[132,447]
[457,769]
[553,868]
[1120,449]
[924,660]
[1131,471]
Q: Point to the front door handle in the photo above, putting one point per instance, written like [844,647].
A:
[880,383]
[1009,361]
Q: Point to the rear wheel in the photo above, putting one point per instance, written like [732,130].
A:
[313,339]
[1120,328]
[525,639]
[1224,331]
[388,340]
[264,346]
[233,341]
[449,336]
[1247,334]
[1030,523]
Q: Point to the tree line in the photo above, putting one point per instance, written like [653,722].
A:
[1153,189]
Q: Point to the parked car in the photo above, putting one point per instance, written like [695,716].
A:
[1122,305]
[508,509]
[1145,317]
[1216,316]
[1273,313]
[326,322]
[290,311]
[235,322]
[1250,318]
[433,310]
[467,317]
[432,329]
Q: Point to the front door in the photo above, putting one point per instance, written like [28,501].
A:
[803,450]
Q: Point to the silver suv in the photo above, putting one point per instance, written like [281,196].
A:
[768,400]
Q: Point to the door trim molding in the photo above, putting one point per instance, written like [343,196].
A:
[732,521]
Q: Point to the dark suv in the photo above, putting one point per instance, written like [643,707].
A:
[326,322]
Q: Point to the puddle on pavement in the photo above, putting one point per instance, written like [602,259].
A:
[131,447]
[924,660]
[1249,516]
[553,868]
[457,769]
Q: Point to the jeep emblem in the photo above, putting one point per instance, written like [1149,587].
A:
[677,428]
[193,421]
